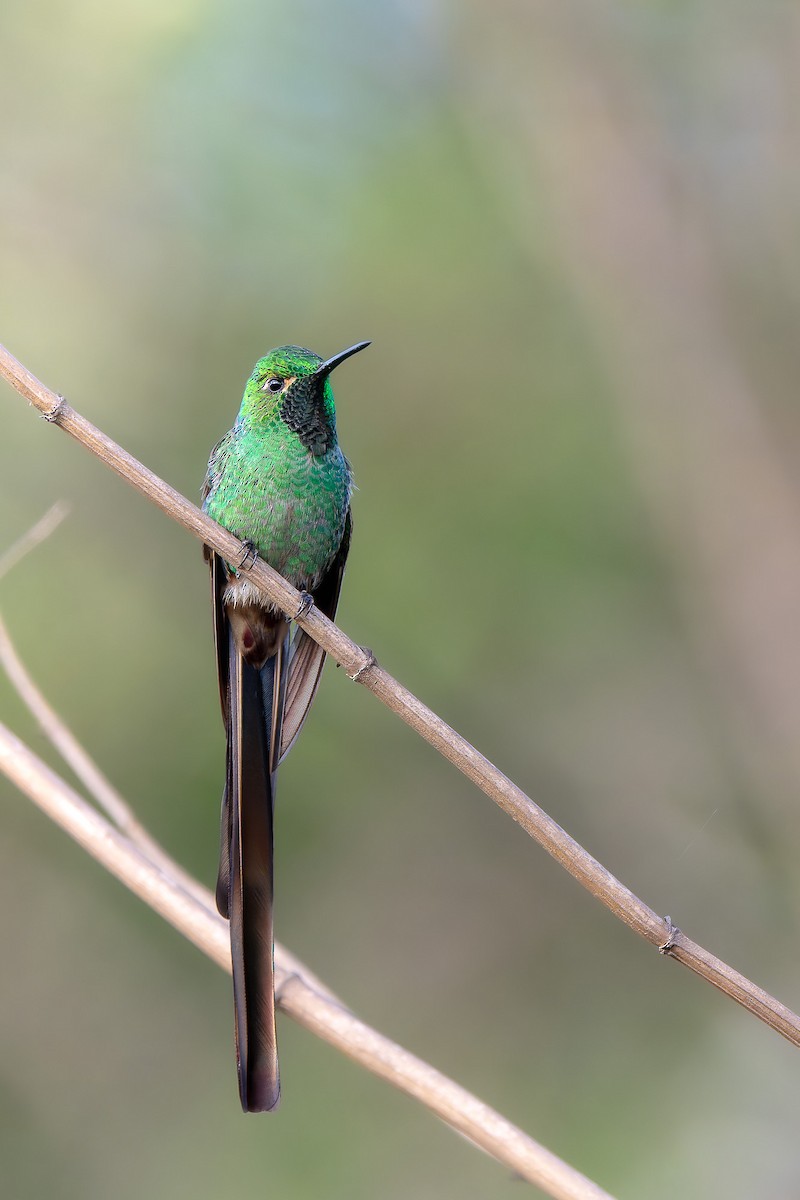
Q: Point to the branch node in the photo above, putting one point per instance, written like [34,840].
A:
[282,984]
[667,946]
[54,414]
[367,666]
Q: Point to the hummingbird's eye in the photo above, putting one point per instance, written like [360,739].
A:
[274,385]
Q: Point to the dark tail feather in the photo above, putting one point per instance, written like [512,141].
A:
[244,886]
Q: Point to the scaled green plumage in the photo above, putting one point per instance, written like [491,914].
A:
[266,486]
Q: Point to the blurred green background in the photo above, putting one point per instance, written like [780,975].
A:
[571,232]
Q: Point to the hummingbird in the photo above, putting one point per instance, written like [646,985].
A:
[278,481]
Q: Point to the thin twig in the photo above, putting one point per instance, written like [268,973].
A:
[55,729]
[34,537]
[79,761]
[296,992]
[360,664]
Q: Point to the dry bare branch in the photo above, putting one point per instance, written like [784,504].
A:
[361,666]
[78,760]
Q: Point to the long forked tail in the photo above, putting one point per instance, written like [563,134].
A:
[256,699]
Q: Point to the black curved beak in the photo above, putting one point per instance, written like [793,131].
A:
[324,369]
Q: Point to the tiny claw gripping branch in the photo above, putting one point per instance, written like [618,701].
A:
[249,556]
[305,606]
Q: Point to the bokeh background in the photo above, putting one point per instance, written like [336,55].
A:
[571,232]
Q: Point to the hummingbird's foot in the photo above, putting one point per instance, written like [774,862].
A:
[305,606]
[249,555]
[672,933]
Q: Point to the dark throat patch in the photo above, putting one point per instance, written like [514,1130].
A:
[303,412]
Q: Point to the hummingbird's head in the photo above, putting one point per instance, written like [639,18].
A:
[292,384]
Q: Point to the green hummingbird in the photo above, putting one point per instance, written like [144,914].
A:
[279,481]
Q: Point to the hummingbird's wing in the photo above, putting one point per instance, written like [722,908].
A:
[219,578]
[307,658]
